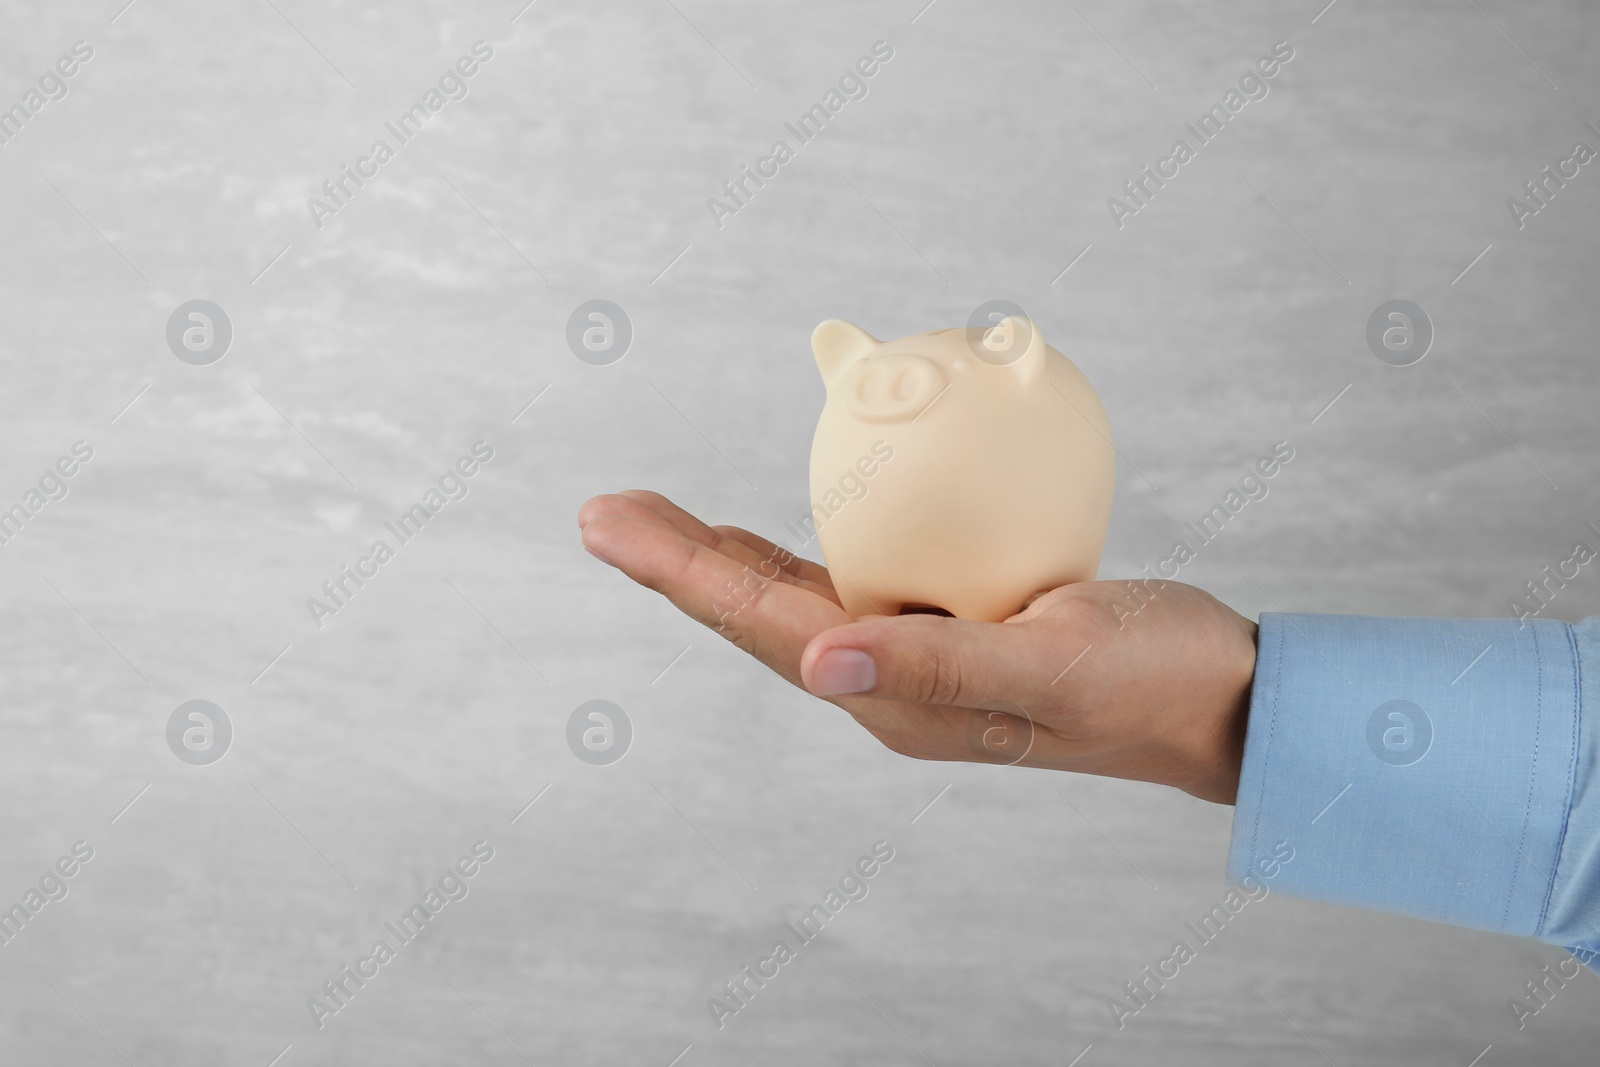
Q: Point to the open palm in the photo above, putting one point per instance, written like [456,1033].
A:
[1146,680]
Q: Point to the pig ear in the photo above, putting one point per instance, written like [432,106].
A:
[1028,367]
[837,344]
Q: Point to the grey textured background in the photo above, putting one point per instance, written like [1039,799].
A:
[429,312]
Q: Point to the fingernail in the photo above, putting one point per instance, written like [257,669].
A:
[843,670]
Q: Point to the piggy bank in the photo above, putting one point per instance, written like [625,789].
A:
[960,470]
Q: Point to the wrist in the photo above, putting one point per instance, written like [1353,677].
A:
[1211,755]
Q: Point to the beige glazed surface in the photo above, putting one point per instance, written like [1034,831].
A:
[961,469]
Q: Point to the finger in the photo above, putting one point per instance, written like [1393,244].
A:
[730,538]
[656,554]
[937,732]
[929,659]
[942,732]
[637,503]
[791,563]
[769,618]
[644,504]
[751,550]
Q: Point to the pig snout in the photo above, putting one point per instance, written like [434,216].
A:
[895,388]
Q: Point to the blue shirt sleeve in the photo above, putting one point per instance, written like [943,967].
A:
[1440,768]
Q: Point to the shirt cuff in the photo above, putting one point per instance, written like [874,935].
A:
[1419,766]
[1573,918]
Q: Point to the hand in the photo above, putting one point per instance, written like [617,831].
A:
[1147,680]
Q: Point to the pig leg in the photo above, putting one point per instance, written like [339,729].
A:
[857,603]
[988,607]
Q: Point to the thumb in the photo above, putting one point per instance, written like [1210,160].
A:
[928,659]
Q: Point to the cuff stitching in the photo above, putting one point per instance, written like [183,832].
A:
[1572,777]
[1272,729]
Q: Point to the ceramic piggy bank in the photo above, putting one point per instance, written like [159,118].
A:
[961,470]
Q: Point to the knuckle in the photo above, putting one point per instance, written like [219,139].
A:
[924,687]
[733,625]
[1077,625]
[738,636]
[943,682]
[737,606]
